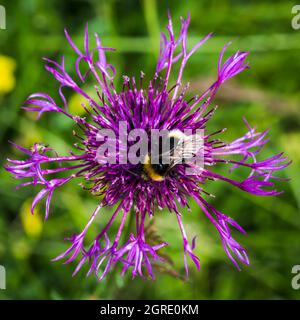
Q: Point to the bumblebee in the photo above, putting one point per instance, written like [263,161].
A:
[182,148]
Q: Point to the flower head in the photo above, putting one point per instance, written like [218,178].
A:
[159,105]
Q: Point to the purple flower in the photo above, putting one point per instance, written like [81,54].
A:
[159,105]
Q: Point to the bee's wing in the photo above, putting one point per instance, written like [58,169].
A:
[186,148]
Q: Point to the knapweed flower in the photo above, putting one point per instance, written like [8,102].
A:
[126,186]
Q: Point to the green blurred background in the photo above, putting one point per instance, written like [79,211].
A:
[267,95]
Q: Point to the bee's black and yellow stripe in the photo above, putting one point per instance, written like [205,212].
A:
[150,170]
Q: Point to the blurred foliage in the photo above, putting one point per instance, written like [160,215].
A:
[267,95]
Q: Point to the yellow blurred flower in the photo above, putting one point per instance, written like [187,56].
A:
[7,79]
[30,134]
[76,101]
[292,147]
[32,224]
[21,249]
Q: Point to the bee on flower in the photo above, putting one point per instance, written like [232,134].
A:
[140,189]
